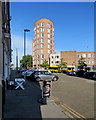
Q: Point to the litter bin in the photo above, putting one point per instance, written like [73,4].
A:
[46,90]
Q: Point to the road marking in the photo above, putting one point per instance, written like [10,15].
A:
[74,111]
[69,109]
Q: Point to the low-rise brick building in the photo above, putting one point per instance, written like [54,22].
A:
[72,58]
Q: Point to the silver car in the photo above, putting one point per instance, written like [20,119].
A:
[43,75]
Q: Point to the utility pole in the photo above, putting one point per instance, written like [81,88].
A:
[17,58]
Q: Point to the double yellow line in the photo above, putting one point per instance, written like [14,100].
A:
[69,109]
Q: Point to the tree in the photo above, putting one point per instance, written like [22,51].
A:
[63,63]
[82,63]
[28,61]
[45,64]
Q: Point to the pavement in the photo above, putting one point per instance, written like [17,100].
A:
[24,104]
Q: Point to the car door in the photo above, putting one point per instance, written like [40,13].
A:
[48,76]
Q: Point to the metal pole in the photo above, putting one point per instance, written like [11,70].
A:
[24,52]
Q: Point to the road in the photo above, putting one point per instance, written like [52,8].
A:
[75,92]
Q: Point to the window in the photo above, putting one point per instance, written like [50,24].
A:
[42,23]
[48,30]
[42,56]
[89,62]
[93,62]
[35,32]
[48,35]
[42,34]
[52,57]
[51,26]
[38,41]
[37,56]
[51,51]
[47,56]
[52,61]
[37,25]
[93,55]
[42,61]
[89,55]
[84,55]
[37,51]
[57,56]
[37,35]
[42,29]
[51,41]
[48,46]
[38,30]
[51,36]
[51,46]
[48,51]
[48,40]
[51,31]
[37,61]
[35,41]
[48,24]
[79,55]
[42,50]
[42,40]
[37,46]
[42,45]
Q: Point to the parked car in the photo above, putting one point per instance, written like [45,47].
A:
[43,75]
[94,76]
[29,72]
[80,73]
[21,70]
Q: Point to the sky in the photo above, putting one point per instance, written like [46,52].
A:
[73,25]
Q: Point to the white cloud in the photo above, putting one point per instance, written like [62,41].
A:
[18,42]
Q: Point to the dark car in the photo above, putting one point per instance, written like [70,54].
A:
[80,73]
[43,75]
[89,74]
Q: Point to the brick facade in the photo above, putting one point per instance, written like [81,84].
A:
[43,43]
[72,57]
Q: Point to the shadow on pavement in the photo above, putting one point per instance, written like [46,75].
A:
[23,104]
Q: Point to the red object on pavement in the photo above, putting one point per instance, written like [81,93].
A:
[27,68]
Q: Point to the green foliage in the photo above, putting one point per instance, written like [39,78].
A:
[45,64]
[28,61]
[63,63]
[81,63]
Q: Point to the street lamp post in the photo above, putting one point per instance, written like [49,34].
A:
[25,30]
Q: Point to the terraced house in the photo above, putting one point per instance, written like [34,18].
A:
[5,44]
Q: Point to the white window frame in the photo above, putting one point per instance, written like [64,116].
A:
[42,34]
[84,55]
[48,35]
[42,50]
[37,25]
[89,55]
[37,35]
[48,45]
[42,29]
[42,45]
[42,23]
[42,40]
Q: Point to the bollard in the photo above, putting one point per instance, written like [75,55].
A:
[46,91]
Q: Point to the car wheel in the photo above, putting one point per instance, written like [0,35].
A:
[37,79]
[54,79]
